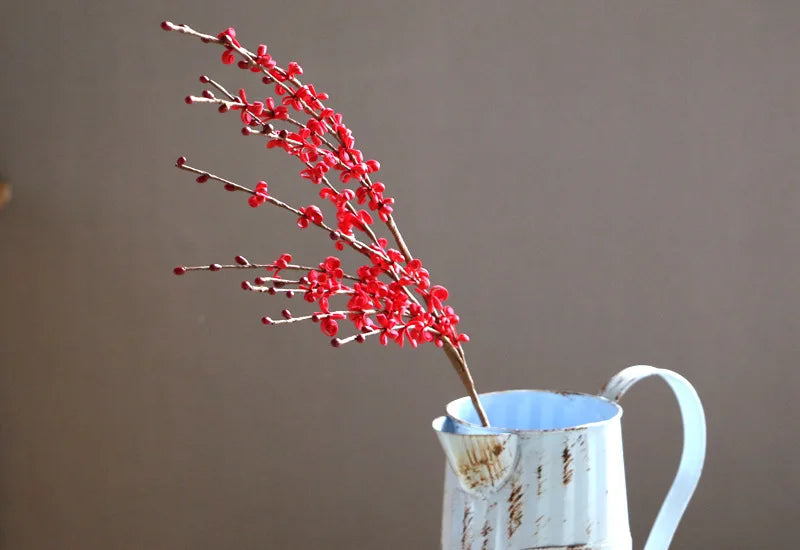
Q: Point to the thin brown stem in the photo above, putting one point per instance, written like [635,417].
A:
[354,243]
[460,364]
[360,336]
[312,317]
[293,267]
[399,239]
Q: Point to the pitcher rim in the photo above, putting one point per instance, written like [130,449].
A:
[586,425]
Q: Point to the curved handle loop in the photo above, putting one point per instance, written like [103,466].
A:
[694,447]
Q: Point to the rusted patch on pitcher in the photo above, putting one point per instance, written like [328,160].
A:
[487,529]
[466,528]
[566,459]
[539,481]
[583,449]
[515,507]
[485,461]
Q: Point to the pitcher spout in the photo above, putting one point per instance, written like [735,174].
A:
[482,459]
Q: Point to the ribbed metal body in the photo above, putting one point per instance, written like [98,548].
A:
[551,474]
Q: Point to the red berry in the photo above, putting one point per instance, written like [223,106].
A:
[335,342]
[271,291]
[243,64]
[207,94]
[266,320]
[230,187]
[290,294]
[223,108]
[261,280]
[166,25]
[204,79]
[215,267]
[241,260]
[286,314]
[334,235]
[181,161]
[188,99]
[266,80]
[180,270]
[246,131]
[315,318]
[360,339]
[202,178]
[246,285]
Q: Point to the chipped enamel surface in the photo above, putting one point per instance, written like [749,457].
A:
[482,462]
[554,480]
[561,489]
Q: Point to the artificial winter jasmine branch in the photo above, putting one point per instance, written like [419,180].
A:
[390,296]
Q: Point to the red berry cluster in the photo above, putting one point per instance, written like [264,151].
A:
[391,295]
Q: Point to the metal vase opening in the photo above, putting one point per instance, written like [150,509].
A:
[549,473]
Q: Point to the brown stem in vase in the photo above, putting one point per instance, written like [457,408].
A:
[460,365]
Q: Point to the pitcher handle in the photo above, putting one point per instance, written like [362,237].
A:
[694,447]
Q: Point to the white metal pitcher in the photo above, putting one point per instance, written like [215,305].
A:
[549,473]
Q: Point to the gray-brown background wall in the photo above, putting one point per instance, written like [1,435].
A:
[598,184]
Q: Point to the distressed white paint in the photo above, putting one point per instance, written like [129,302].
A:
[553,475]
